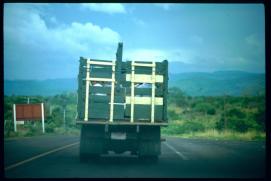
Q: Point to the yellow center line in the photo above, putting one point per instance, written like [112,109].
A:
[40,155]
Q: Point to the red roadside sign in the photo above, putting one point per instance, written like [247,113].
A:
[28,112]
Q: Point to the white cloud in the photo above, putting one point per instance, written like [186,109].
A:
[144,54]
[75,37]
[180,55]
[110,8]
[27,34]
[165,6]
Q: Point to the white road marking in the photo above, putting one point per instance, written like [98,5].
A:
[176,151]
[40,155]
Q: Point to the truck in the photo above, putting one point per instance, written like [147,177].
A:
[121,106]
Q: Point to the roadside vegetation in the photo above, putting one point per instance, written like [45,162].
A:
[54,116]
[220,117]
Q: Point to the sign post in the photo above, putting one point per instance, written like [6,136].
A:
[14,117]
[29,112]
[42,117]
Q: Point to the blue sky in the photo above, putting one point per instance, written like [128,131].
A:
[45,41]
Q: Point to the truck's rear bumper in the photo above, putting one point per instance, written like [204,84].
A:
[103,122]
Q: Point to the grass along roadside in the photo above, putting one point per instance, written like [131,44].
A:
[26,133]
[221,135]
[205,128]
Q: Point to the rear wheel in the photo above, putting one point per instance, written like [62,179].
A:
[149,146]
[91,142]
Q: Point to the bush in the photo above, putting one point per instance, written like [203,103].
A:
[235,112]
[220,124]
[205,107]
[192,126]
[211,111]
[260,118]
[237,124]
[173,129]
[50,127]
[172,115]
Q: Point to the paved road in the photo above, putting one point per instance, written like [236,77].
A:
[183,158]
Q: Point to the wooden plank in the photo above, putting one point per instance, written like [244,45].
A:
[99,79]
[102,111]
[101,74]
[132,98]
[165,90]
[102,93]
[105,90]
[112,94]
[98,60]
[139,70]
[144,78]
[142,64]
[118,73]
[144,100]
[100,63]
[144,112]
[105,99]
[153,93]
[87,94]
[145,91]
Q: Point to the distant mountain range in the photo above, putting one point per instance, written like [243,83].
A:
[39,87]
[234,83]
[195,84]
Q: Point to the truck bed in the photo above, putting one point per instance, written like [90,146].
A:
[94,102]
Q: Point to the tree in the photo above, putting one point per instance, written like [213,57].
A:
[178,97]
[260,118]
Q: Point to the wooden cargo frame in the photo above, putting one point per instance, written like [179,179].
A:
[88,79]
[126,73]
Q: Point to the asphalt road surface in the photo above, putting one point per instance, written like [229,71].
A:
[58,157]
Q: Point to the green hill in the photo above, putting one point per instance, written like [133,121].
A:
[234,83]
[195,84]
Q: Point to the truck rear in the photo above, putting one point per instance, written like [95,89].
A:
[121,106]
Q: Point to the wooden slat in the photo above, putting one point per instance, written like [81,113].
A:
[105,99]
[144,100]
[87,93]
[112,93]
[102,111]
[160,69]
[100,79]
[145,91]
[144,78]
[105,90]
[100,63]
[143,112]
[165,90]
[143,64]
[153,92]
[132,98]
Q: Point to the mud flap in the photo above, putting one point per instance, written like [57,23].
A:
[91,142]
[149,144]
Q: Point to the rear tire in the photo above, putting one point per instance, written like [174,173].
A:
[149,146]
[91,143]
